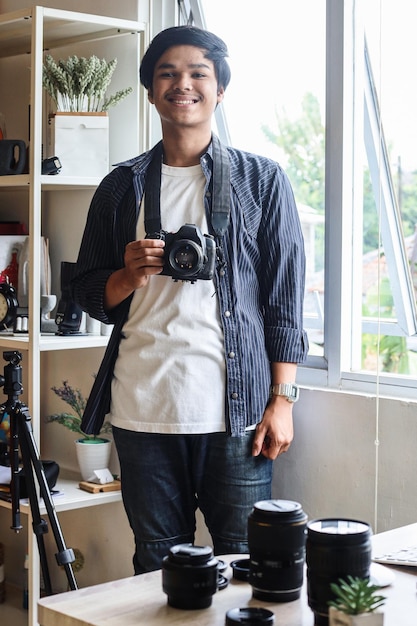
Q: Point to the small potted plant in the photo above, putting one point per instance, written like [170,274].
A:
[356,603]
[79,125]
[80,85]
[93,453]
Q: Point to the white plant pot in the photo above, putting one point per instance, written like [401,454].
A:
[92,456]
[337,618]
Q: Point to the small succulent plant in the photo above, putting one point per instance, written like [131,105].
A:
[355,596]
[79,84]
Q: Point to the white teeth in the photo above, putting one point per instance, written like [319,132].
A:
[184,101]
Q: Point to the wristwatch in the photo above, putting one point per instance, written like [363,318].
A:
[8,305]
[290,391]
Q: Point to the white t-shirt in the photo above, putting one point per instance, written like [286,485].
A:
[169,376]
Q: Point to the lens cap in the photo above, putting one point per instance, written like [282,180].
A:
[240,569]
[252,615]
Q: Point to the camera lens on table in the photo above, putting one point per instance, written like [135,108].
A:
[190,576]
[276,537]
[335,548]
[250,615]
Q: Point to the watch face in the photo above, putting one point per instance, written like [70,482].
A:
[3,307]
[287,390]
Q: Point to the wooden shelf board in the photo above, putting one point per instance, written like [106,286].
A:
[53,342]
[60,29]
[70,497]
[50,183]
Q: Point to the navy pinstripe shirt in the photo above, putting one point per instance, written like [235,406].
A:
[260,288]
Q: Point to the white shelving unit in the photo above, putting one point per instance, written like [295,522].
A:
[25,36]
[70,497]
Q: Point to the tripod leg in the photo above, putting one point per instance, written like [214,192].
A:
[14,462]
[39,525]
[64,555]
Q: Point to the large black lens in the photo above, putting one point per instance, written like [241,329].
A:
[276,536]
[335,549]
[190,576]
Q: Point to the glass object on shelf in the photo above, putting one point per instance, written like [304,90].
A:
[3,133]
[10,273]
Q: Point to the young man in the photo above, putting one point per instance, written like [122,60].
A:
[189,369]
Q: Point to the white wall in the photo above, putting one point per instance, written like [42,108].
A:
[334,467]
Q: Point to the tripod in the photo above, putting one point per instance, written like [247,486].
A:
[21,433]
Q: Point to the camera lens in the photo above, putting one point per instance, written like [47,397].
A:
[190,576]
[252,615]
[335,548]
[276,537]
[186,257]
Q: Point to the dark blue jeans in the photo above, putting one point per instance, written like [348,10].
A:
[165,478]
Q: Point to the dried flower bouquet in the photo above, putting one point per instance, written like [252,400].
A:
[80,84]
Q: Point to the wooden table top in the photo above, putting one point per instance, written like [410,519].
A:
[140,600]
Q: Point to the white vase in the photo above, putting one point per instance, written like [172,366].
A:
[92,456]
[337,618]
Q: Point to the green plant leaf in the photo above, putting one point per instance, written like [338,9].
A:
[355,596]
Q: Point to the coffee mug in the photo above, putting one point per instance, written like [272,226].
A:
[12,156]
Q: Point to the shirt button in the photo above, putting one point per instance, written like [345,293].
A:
[227,313]
[234,395]
[222,272]
[231,355]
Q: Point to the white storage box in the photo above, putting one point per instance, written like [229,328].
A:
[81,142]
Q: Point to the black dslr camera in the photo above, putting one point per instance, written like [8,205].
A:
[189,255]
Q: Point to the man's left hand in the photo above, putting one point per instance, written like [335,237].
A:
[275,432]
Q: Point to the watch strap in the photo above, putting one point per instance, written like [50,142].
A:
[290,391]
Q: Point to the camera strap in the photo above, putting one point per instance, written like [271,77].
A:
[220,204]
[153,192]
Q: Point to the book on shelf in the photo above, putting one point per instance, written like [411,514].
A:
[13,228]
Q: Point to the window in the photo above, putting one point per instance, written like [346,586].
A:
[274,106]
[389,317]
[325,88]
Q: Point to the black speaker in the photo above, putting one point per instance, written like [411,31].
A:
[68,314]
[12,156]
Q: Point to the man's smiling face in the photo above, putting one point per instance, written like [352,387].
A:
[184,90]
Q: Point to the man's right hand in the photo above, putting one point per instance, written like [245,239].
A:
[143,258]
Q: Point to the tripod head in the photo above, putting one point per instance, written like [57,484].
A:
[12,379]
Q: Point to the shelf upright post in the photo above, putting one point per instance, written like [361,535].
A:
[35,232]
